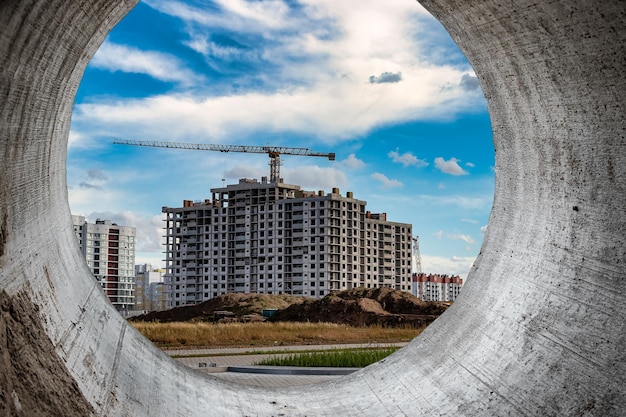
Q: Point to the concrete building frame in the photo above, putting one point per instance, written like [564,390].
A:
[539,328]
[275,238]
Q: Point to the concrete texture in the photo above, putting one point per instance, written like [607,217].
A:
[539,328]
[273,381]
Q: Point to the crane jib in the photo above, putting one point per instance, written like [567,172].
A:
[273,152]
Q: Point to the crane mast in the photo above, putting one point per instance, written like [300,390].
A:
[273,152]
[417,258]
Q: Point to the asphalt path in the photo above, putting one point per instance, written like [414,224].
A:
[217,363]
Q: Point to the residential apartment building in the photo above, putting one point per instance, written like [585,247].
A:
[109,250]
[435,287]
[275,238]
[150,293]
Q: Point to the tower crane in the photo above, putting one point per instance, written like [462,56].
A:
[273,152]
[416,254]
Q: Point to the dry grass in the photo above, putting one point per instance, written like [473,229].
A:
[179,335]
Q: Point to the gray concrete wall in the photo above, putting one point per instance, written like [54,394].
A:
[538,329]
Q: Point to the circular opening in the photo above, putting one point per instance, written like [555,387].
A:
[319,76]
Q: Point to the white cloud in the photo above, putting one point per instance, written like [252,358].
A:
[387,183]
[438,234]
[465,238]
[469,82]
[202,45]
[313,178]
[237,15]
[322,54]
[353,162]
[455,265]
[334,111]
[245,171]
[85,188]
[461,201]
[155,259]
[161,66]
[269,13]
[406,159]
[450,166]
[149,228]
[470,164]
[308,177]
[75,138]
[85,140]
[471,221]
[95,179]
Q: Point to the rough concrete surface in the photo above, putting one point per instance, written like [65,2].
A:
[539,329]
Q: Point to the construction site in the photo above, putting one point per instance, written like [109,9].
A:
[270,237]
[538,329]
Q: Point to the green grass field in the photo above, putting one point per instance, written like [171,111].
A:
[344,358]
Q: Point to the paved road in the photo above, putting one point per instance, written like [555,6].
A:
[217,361]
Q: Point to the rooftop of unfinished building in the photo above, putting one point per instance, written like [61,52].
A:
[297,192]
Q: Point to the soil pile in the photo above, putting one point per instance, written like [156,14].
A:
[237,303]
[356,307]
[365,307]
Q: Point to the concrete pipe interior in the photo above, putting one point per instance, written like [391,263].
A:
[538,330]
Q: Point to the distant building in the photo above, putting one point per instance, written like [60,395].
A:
[275,238]
[159,296]
[109,250]
[150,294]
[435,287]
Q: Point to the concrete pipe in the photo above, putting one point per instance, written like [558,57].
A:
[538,330]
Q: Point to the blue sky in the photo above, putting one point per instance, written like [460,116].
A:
[381,84]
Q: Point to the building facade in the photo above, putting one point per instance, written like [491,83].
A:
[435,287]
[150,293]
[109,250]
[275,238]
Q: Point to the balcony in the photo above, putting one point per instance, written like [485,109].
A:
[300,250]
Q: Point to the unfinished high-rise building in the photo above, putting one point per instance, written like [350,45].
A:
[274,238]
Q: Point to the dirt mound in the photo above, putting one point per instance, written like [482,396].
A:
[356,307]
[364,307]
[239,304]
[372,306]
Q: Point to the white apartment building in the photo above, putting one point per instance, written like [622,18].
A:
[435,287]
[274,238]
[110,253]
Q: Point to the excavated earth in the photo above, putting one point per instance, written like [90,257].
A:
[33,380]
[365,307]
[239,304]
[356,307]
